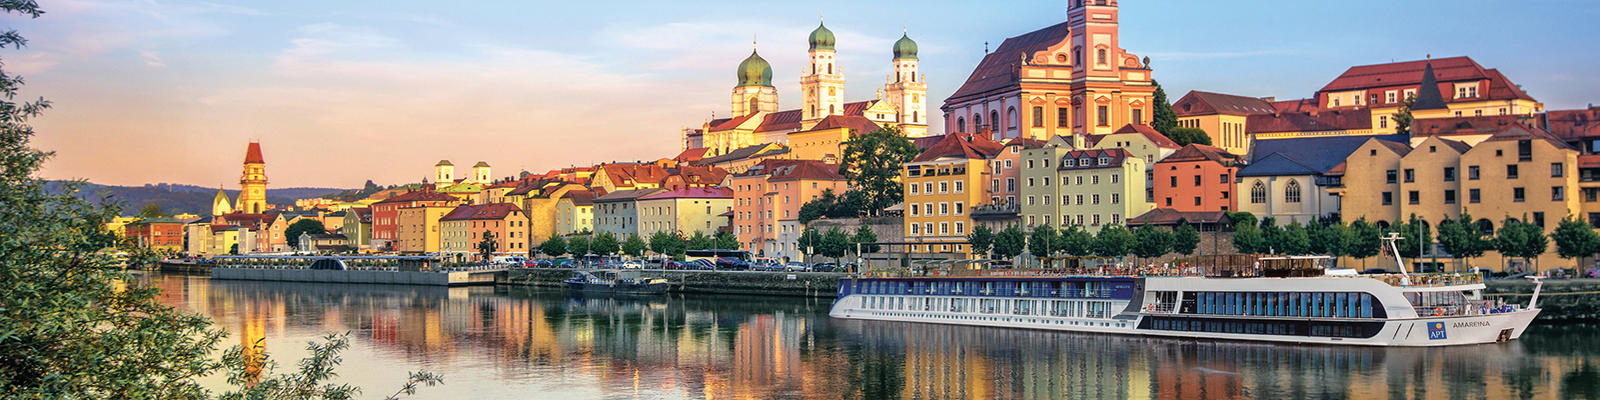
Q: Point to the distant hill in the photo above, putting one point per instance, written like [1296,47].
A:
[180,198]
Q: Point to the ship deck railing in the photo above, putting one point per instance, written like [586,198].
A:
[1424,279]
[1474,307]
[1397,280]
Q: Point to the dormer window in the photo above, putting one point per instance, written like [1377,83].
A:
[1066,162]
[1105,161]
[1083,161]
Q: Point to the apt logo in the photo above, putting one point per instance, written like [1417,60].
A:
[1436,331]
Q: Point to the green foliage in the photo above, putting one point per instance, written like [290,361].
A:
[700,242]
[304,225]
[151,210]
[1113,241]
[725,240]
[1520,239]
[605,244]
[1365,240]
[1328,238]
[810,241]
[580,245]
[667,243]
[872,162]
[829,205]
[1242,218]
[487,246]
[1461,237]
[255,374]
[1247,239]
[1402,117]
[866,237]
[1041,241]
[1185,136]
[634,246]
[1009,242]
[1410,237]
[834,243]
[1575,239]
[1162,118]
[1294,240]
[554,246]
[1075,241]
[1151,242]
[1185,238]
[981,238]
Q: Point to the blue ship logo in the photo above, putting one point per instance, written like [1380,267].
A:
[1436,331]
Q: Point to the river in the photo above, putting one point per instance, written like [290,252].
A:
[515,342]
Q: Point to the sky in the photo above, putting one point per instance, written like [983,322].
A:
[339,92]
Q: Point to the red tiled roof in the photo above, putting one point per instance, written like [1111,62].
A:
[1589,161]
[855,122]
[624,195]
[419,195]
[363,214]
[1200,152]
[780,121]
[1445,70]
[701,175]
[998,70]
[252,154]
[1574,125]
[623,174]
[792,170]
[580,197]
[1149,133]
[1168,216]
[961,145]
[731,123]
[692,154]
[1518,132]
[923,143]
[1116,157]
[480,212]
[1026,143]
[1295,106]
[1330,120]
[1467,125]
[692,192]
[1208,103]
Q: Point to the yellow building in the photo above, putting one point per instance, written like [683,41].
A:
[1088,188]
[686,211]
[941,185]
[1521,174]
[417,228]
[824,141]
[539,203]
[253,183]
[225,240]
[1389,182]
[1222,116]
[575,213]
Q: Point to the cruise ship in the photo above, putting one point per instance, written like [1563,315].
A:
[1274,299]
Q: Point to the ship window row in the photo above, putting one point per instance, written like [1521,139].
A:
[1045,308]
[1284,304]
[1090,289]
[1337,329]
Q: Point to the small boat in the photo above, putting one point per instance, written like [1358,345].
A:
[616,282]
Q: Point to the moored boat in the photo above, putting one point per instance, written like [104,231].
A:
[616,282]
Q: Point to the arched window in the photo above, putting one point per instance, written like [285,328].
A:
[753,103]
[914,116]
[1077,57]
[1291,192]
[1100,56]
[977,123]
[1038,117]
[830,68]
[994,120]
[961,124]
[1485,226]
[1258,193]
[1011,118]
[830,109]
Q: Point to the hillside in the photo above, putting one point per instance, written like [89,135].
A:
[179,198]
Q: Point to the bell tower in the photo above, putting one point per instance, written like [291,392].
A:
[822,85]
[906,91]
[253,183]
[755,92]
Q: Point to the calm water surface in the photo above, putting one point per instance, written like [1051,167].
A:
[496,342]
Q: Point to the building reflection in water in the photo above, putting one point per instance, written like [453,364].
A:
[515,342]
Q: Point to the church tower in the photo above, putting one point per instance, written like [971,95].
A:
[906,91]
[220,204]
[755,92]
[253,183]
[822,86]
[444,174]
[480,173]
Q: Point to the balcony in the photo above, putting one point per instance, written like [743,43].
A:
[995,211]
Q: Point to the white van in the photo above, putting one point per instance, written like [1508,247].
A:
[514,260]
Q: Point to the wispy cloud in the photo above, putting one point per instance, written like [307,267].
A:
[152,59]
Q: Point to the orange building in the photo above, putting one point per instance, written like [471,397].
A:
[1071,78]
[386,214]
[1197,178]
[156,233]
[464,227]
[767,200]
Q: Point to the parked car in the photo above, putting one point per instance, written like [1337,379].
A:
[825,267]
[631,264]
[796,266]
[732,264]
[538,264]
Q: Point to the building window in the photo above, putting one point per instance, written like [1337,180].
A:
[1383,121]
[1449,174]
[961,124]
[1116,198]
[1411,175]
[1061,117]
[1472,172]
[960,188]
[1388,198]
[1558,193]
[1413,197]
[1472,195]
[1291,192]
[1100,56]
[1524,150]
[1511,171]
[914,212]
[1105,115]
[1011,184]
[1172,181]
[944,208]
[1038,117]
[1138,116]
[1517,195]
[1258,193]
[1556,171]
[960,208]
[1095,199]
[1390,176]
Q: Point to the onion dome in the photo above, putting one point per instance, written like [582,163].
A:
[905,48]
[755,71]
[822,38]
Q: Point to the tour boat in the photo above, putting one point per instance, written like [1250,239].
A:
[616,282]
[1275,299]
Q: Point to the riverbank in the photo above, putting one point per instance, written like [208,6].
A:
[800,284]
[1563,301]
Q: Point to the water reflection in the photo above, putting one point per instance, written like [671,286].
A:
[520,343]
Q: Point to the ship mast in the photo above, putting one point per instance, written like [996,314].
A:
[1405,278]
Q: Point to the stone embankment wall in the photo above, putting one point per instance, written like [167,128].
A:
[807,284]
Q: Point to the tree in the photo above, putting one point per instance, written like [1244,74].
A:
[872,162]
[1076,241]
[1520,239]
[700,242]
[1247,239]
[634,246]
[1461,238]
[1327,238]
[579,245]
[151,210]
[73,322]
[1575,239]
[1242,218]
[1041,241]
[1008,243]
[1402,117]
[810,241]
[1186,136]
[1151,242]
[304,225]
[834,243]
[487,246]
[851,204]
[1364,241]
[554,246]
[667,243]
[1414,234]
[982,240]
[1162,118]
[605,244]
[1113,241]
[1295,240]
[867,238]
[1185,238]
[725,240]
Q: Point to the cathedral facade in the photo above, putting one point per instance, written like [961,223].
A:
[756,119]
[1071,78]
